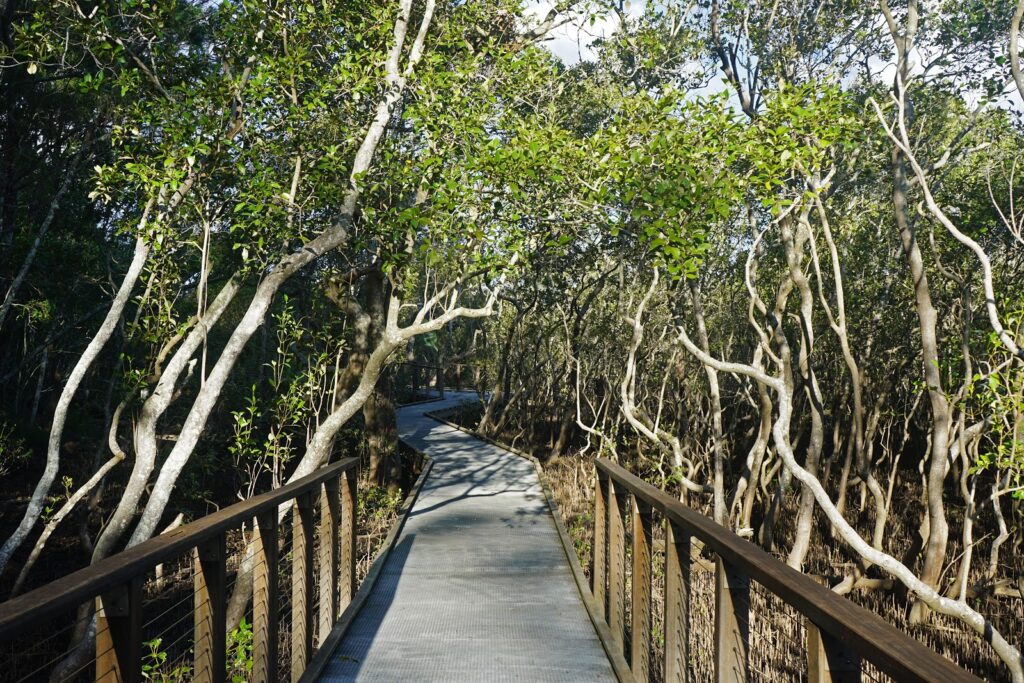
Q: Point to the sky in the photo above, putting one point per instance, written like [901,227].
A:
[572,43]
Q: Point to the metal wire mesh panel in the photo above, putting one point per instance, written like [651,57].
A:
[702,622]
[777,638]
[224,596]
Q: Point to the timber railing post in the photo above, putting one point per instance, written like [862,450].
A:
[677,604]
[347,579]
[265,599]
[600,557]
[616,564]
[732,622]
[330,519]
[302,583]
[119,634]
[211,604]
[829,660]
[643,521]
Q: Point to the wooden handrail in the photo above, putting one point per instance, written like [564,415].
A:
[115,583]
[429,366]
[840,633]
[438,371]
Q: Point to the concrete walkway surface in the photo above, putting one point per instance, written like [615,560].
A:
[477,587]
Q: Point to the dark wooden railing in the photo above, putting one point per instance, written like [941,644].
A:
[323,535]
[425,376]
[840,636]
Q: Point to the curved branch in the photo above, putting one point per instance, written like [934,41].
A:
[902,141]
[1010,655]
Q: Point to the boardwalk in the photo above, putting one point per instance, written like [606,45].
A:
[477,587]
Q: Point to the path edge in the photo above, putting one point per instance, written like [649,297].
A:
[436,399]
[325,652]
[604,634]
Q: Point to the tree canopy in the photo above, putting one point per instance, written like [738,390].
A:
[768,255]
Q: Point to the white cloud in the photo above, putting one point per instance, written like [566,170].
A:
[573,42]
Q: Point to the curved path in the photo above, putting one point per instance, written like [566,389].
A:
[477,587]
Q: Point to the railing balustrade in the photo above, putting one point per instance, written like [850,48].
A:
[319,564]
[840,635]
[433,377]
[302,553]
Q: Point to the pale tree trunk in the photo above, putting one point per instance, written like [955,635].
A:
[241,592]
[778,337]
[935,522]
[938,528]
[209,393]
[67,395]
[574,336]
[393,337]
[720,507]
[145,440]
[959,589]
[637,419]
[766,533]
[755,458]
[332,238]
[91,487]
[839,326]
[774,335]
[26,264]
[66,509]
[794,245]
[1018,75]
[747,486]
[900,136]
[164,392]
[927,594]
[1004,532]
